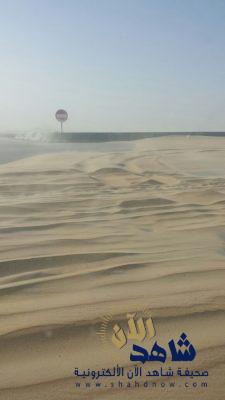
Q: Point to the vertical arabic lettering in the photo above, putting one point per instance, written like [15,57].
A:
[119,338]
[137,330]
[150,328]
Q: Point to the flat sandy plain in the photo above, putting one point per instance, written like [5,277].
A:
[83,235]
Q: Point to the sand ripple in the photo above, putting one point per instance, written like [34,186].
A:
[84,235]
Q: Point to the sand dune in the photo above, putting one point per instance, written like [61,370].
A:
[83,235]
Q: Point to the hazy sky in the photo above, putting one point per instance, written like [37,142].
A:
[114,65]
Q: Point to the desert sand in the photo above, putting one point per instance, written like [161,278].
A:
[84,235]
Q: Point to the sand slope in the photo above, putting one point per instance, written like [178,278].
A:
[83,235]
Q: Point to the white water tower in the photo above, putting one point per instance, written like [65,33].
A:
[61,116]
